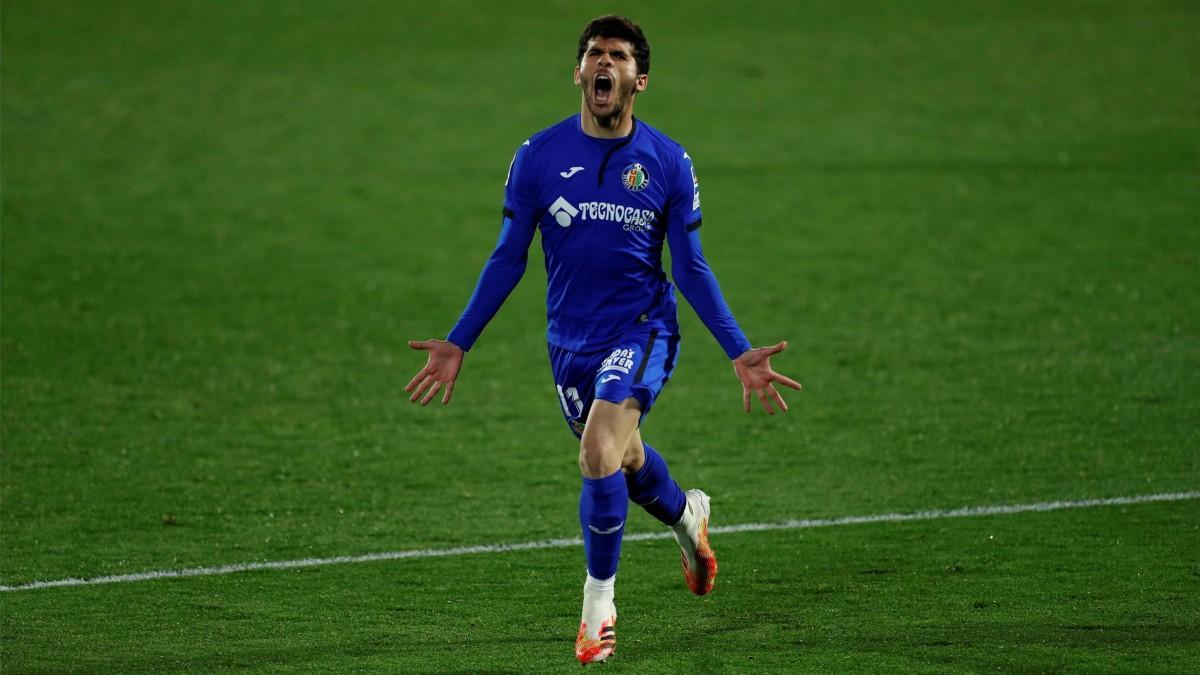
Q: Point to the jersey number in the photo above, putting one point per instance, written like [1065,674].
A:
[569,397]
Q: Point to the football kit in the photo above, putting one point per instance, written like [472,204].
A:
[604,208]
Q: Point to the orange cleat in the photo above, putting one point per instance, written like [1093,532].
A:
[595,647]
[691,533]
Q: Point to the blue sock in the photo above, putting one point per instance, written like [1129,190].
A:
[652,488]
[603,505]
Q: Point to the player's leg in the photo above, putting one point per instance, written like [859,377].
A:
[604,500]
[650,483]
[651,486]
[650,356]
[603,506]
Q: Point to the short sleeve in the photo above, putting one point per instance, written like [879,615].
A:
[520,189]
[683,205]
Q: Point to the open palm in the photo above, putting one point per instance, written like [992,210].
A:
[753,368]
[441,370]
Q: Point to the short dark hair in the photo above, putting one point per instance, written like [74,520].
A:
[613,26]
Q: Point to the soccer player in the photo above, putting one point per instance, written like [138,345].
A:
[606,191]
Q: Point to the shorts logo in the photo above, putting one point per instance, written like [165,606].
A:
[563,212]
[635,178]
[621,360]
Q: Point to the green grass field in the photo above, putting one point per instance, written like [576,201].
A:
[976,223]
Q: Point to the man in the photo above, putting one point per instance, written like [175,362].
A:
[606,191]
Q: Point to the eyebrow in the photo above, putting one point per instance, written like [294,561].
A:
[614,50]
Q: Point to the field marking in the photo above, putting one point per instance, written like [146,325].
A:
[931,514]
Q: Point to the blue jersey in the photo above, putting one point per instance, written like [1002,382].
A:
[604,208]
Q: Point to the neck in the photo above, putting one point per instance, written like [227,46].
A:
[617,126]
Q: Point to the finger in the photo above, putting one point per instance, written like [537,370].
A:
[449,391]
[775,349]
[745,398]
[778,399]
[419,344]
[766,404]
[420,390]
[416,378]
[431,393]
[782,379]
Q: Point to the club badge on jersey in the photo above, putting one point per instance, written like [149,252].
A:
[635,178]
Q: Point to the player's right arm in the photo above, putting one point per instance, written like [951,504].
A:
[499,277]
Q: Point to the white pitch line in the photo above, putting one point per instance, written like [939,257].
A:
[932,514]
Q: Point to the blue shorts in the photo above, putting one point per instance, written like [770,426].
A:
[637,365]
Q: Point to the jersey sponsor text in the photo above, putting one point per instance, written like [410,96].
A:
[634,219]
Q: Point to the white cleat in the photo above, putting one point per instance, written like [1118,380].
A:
[597,638]
[594,645]
[691,533]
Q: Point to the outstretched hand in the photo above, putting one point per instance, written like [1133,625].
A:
[445,358]
[753,368]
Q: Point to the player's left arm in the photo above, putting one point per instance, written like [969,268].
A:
[695,279]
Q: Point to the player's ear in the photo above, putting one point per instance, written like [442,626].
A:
[577,80]
[640,83]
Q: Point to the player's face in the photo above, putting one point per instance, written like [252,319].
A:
[608,76]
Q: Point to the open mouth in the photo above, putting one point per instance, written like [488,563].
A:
[602,89]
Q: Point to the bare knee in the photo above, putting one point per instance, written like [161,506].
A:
[607,437]
[599,456]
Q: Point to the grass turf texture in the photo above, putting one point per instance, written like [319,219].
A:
[976,224]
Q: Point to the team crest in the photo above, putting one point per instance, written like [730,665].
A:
[635,178]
